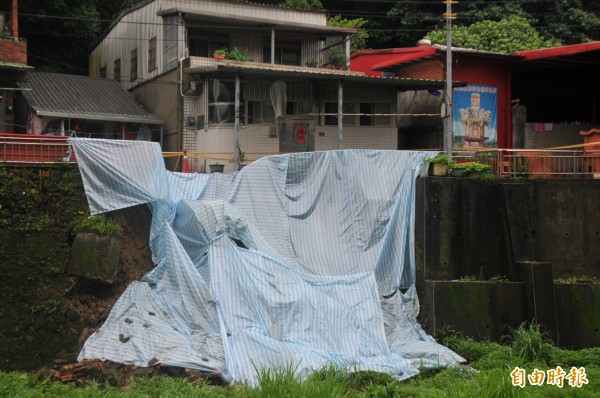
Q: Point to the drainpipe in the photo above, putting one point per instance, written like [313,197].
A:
[236,126]
[272,46]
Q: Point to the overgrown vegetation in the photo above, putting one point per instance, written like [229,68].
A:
[488,375]
[578,279]
[98,224]
[37,208]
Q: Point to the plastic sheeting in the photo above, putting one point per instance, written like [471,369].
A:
[296,262]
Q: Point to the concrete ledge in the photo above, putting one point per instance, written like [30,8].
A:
[481,310]
[578,313]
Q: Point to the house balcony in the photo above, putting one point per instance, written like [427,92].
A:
[13,50]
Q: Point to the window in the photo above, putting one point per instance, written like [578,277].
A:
[117,70]
[103,72]
[221,101]
[204,43]
[260,112]
[152,54]
[348,110]
[133,67]
[169,42]
[286,53]
[378,109]
[382,120]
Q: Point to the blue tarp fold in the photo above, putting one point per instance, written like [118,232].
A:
[297,262]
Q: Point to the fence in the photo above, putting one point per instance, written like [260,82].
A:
[506,163]
[20,148]
[510,163]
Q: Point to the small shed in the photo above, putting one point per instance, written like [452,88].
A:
[57,104]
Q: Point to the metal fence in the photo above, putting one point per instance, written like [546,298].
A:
[505,163]
[20,148]
[533,163]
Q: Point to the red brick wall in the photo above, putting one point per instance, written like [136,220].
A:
[432,69]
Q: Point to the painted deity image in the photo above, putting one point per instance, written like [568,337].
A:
[474,120]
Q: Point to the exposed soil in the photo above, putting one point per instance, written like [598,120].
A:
[45,314]
[94,300]
[114,374]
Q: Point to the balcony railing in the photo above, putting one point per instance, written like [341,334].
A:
[534,163]
[35,149]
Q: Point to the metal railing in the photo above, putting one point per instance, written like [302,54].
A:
[505,163]
[534,163]
[20,148]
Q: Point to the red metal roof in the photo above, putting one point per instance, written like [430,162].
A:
[408,55]
[559,51]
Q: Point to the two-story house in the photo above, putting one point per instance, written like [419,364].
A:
[280,91]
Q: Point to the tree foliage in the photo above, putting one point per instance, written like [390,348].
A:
[507,36]
[60,33]
[303,4]
[359,40]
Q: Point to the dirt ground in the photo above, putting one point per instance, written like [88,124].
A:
[94,300]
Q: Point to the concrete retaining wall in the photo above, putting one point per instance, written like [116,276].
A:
[467,227]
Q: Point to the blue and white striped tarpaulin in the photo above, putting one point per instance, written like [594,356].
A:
[297,262]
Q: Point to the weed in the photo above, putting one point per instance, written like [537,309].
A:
[578,279]
[529,343]
[98,224]
[468,278]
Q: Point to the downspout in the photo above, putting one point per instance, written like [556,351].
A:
[180,103]
[272,46]
[236,126]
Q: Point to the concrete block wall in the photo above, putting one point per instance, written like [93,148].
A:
[529,231]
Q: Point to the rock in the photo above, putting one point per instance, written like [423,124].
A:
[95,257]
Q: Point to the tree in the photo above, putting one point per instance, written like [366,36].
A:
[303,4]
[59,33]
[359,40]
[507,36]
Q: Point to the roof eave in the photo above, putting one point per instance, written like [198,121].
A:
[102,118]
[400,83]
[256,22]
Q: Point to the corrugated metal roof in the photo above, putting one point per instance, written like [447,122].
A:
[208,65]
[83,97]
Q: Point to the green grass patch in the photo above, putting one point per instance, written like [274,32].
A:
[489,376]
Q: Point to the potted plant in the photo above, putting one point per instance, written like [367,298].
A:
[478,170]
[220,54]
[216,168]
[457,169]
[338,59]
[439,164]
[235,55]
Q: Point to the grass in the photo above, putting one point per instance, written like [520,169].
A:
[488,376]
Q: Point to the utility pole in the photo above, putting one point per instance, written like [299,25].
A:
[448,133]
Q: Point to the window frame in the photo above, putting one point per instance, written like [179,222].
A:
[152,54]
[117,70]
[133,65]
